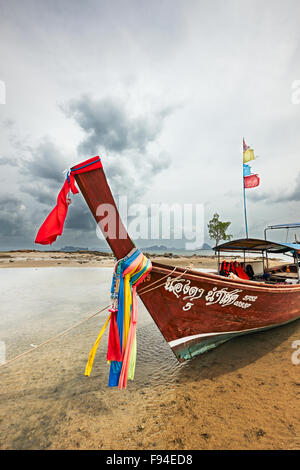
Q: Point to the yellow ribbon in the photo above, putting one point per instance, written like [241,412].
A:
[93,351]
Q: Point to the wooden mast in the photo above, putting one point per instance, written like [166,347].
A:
[95,190]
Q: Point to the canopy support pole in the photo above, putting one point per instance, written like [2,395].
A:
[298,267]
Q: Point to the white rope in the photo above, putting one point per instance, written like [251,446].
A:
[35,347]
[146,289]
[158,280]
[143,291]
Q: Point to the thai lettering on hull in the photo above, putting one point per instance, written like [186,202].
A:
[222,296]
[182,287]
[183,290]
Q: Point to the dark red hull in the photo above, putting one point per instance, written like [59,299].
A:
[197,311]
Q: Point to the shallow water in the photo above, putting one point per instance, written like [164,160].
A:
[38,303]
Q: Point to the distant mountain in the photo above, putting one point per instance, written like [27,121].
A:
[205,246]
[166,249]
[73,248]
[158,248]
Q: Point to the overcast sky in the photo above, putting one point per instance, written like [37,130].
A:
[164,91]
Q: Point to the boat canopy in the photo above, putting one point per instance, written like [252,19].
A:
[280,226]
[255,245]
[296,225]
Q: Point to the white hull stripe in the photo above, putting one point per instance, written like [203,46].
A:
[176,342]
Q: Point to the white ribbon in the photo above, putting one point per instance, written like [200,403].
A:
[66,173]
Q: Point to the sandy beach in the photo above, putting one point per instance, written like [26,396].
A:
[242,395]
[92,259]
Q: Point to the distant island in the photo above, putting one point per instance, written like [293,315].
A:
[73,248]
[163,248]
[158,248]
[206,246]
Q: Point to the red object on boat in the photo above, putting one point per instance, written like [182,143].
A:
[240,272]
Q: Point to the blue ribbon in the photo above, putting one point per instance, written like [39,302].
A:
[88,164]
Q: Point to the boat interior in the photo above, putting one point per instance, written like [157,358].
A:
[256,259]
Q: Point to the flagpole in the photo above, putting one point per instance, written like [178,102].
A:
[245,208]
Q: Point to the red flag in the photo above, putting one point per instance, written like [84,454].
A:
[54,224]
[251,181]
[245,147]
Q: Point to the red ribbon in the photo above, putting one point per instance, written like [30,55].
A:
[54,223]
[114,348]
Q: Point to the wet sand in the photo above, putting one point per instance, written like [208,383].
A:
[242,395]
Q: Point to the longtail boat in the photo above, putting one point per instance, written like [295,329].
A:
[197,311]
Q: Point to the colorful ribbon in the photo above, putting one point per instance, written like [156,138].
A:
[121,352]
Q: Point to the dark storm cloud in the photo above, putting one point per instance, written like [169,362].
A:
[293,195]
[79,217]
[121,179]
[281,195]
[12,216]
[125,179]
[42,172]
[256,196]
[46,161]
[40,192]
[162,162]
[108,124]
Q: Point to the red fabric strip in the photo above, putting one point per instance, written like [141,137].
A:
[54,223]
[114,348]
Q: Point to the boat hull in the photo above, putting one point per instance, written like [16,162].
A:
[197,311]
[194,311]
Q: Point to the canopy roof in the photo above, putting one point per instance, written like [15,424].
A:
[256,245]
[296,225]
